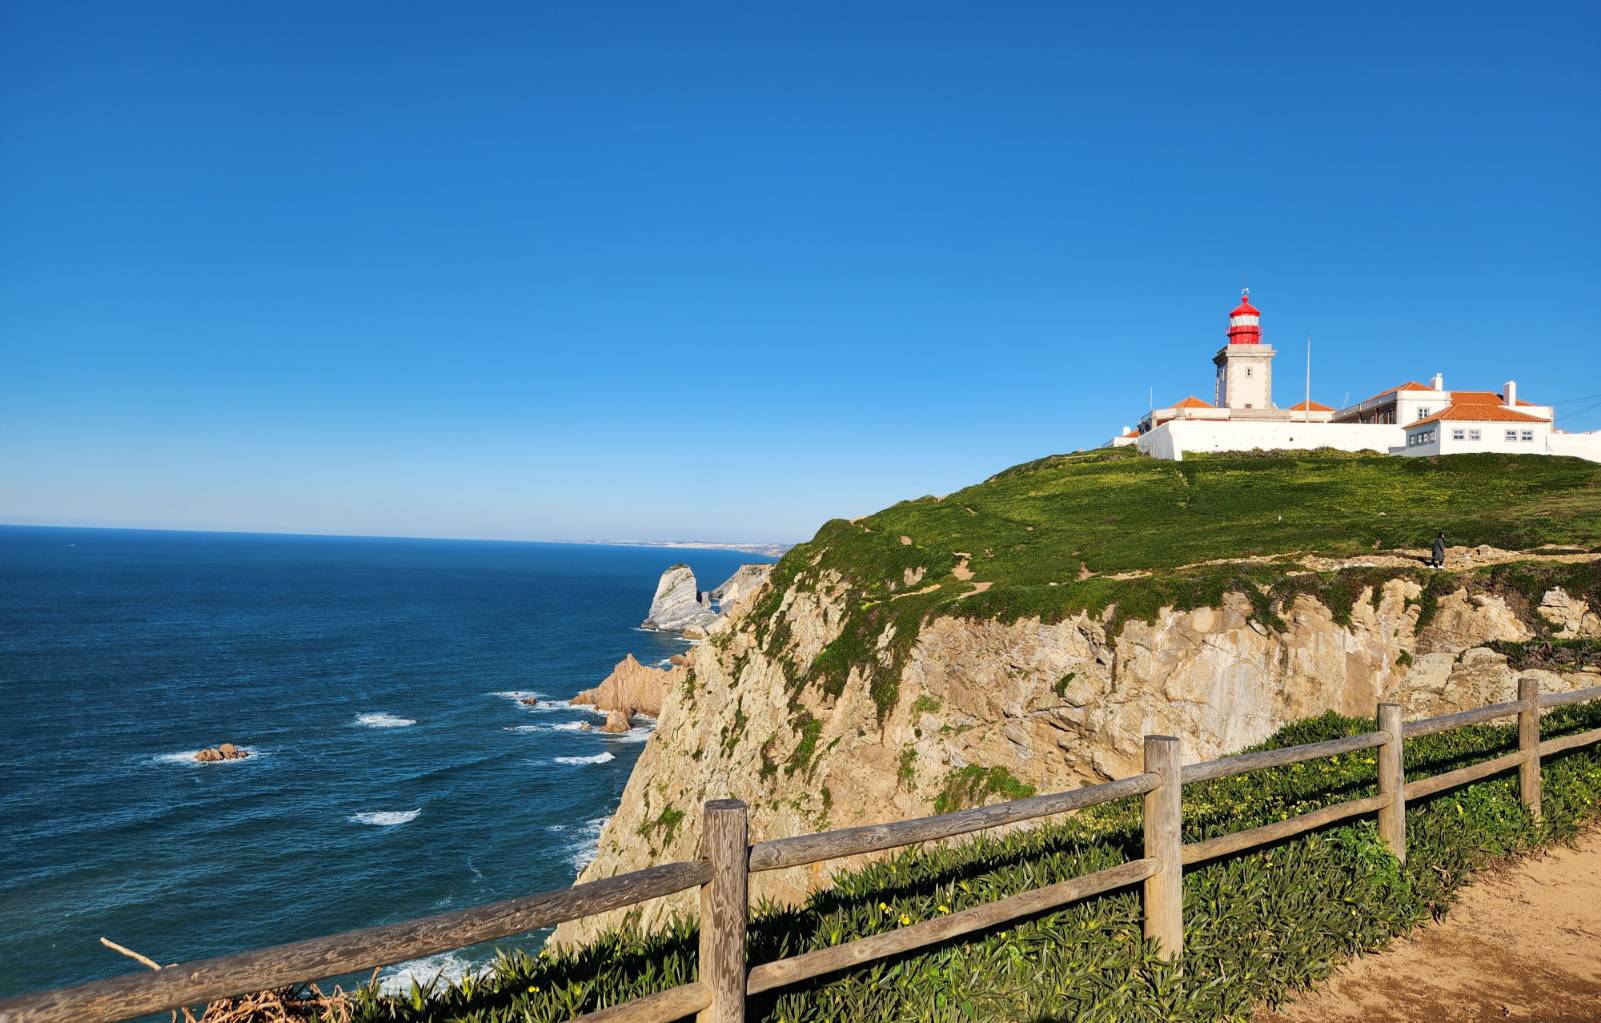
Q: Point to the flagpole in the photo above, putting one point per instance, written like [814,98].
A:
[1309,378]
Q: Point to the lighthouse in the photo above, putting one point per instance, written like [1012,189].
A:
[1245,364]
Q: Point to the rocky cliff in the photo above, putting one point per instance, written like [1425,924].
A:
[896,666]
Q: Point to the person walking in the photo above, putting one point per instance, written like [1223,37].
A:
[1438,560]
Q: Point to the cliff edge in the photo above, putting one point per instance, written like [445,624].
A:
[1023,635]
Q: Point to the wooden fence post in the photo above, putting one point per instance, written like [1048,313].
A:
[1164,843]
[1392,780]
[1529,745]
[723,904]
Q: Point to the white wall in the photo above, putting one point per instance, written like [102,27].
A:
[1579,445]
[1492,437]
[1171,440]
[1410,406]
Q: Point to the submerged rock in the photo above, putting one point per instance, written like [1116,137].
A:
[530,701]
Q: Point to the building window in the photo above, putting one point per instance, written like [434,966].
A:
[1247,372]
[1512,435]
[1528,436]
[1423,412]
[1459,435]
[1473,435]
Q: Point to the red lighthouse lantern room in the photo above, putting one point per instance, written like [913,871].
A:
[1245,322]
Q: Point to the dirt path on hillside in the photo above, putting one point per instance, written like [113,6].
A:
[1521,943]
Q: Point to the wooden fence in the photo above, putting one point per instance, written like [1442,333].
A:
[727,860]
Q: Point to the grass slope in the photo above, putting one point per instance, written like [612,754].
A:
[1048,536]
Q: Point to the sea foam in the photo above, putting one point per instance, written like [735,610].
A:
[585,842]
[598,758]
[381,719]
[385,818]
[448,967]
[517,696]
[560,726]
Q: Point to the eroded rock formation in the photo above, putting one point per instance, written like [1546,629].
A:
[633,688]
[677,604]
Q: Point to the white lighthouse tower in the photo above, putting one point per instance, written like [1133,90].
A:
[1245,364]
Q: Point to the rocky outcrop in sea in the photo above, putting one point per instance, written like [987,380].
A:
[678,604]
[681,606]
[632,688]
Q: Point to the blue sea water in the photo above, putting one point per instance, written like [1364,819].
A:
[394,772]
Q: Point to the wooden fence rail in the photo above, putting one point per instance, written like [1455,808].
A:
[727,860]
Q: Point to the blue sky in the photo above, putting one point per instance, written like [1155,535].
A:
[577,271]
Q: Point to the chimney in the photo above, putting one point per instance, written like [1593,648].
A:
[1438,383]
[1510,394]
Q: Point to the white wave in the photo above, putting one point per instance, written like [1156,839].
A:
[639,733]
[186,758]
[380,719]
[598,758]
[449,967]
[385,818]
[586,843]
[517,696]
[560,726]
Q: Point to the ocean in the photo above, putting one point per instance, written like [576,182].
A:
[393,772]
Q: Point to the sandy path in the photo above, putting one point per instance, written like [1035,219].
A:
[1522,943]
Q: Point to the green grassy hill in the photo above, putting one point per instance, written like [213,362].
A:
[1108,528]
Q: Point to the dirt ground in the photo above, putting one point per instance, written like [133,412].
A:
[1521,943]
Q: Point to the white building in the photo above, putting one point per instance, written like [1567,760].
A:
[1408,419]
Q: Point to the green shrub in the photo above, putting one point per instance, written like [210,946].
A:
[1257,925]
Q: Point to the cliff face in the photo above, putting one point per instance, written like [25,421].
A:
[986,709]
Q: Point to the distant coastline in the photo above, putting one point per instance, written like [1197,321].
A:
[771,550]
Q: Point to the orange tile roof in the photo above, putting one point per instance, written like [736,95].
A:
[1410,385]
[1476,413]
[1483,398]
[1310,406]
[1193,402]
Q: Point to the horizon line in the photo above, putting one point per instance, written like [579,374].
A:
[663,544]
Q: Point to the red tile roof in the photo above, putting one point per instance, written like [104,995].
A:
[1193,402]
[1310,406]
[1473,412]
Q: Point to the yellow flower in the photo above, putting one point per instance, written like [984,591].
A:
[905,919]
[533,988]
[944,909]
[883,905]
